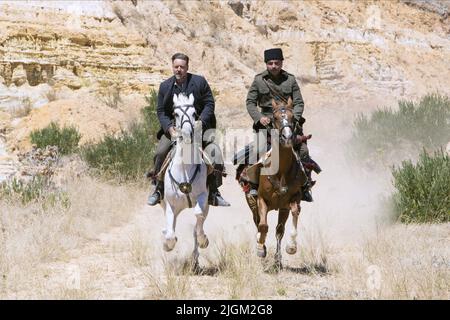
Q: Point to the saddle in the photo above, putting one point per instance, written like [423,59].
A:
[246,172]
[160,175]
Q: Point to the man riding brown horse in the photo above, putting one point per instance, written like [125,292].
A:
[275,83]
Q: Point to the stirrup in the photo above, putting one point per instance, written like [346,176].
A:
[253,192]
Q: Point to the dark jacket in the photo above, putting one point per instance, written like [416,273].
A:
[203,102]
[259,95]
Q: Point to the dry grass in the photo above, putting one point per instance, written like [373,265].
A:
[23,110]
[31,236]
[174,282]
[240,270]
[414,262]
[51,95]
[39,248]
[140,248]
[399,262]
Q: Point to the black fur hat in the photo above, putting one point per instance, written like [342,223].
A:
[273,54]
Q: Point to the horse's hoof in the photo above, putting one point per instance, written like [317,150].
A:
[169,244]
[261,251]
[291,248]
[203,241]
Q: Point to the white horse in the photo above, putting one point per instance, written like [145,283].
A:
[185,180]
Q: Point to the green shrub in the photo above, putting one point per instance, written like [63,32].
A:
[423,189]
[66,139]
[412,127]
[126,157]
[38,190]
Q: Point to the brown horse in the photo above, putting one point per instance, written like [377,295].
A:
[280,191]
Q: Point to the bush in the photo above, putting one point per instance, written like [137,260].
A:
[66,139]
[39,189]
[111,96]
[127,156]
[423,189]
[412,127]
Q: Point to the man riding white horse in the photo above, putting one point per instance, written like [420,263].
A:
[186,176]
[186,83]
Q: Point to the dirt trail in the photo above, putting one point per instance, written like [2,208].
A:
[106,268]
[111,265]
[127,262]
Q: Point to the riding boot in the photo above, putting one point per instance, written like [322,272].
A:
[157,176]
[214,197]
[306,192]
[157,195]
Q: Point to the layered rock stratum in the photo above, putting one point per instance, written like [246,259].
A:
[60,58]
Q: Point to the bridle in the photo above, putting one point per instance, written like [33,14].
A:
[284,119]
[186,187]
[185,117]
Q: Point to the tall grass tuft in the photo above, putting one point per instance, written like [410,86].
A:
[414,126]
[66,138]
[125,157]
[423,189]
[37,190]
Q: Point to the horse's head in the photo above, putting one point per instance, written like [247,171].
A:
[283,121]
[185,115]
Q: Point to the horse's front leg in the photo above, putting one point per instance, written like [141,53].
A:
[201,212]
[283,214]
[169,232]
[291,246]
[263,228]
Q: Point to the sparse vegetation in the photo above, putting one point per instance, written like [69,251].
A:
[39,190]
[237,264]
[423,189]
[215,92]
[51,95]
[24,109]
[111,96]
[173,284]
[127,156]
[35,234]
[387,134]
[66,138]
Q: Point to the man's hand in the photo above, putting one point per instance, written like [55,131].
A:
[264,121]
[173,133]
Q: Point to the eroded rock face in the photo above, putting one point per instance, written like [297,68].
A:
[14,98]
[39,38]
[367,54]
[399,48]
[67,78]
[19,76]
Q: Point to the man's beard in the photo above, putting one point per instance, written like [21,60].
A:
[275,73]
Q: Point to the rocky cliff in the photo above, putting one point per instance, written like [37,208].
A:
[347,55]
